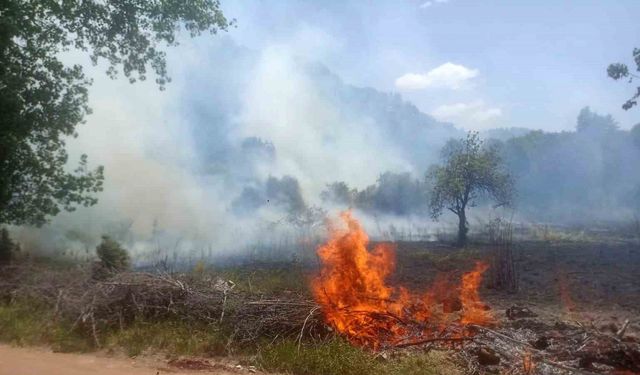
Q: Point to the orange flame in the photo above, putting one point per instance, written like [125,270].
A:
[357,301]
[528,365]
[565,293]
[475,312]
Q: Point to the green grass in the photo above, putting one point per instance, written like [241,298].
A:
[26,324]
[336,356]
[289,278]
[173,338]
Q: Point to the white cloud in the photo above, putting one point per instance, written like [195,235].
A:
[473,115]
[448,75]
[427,4]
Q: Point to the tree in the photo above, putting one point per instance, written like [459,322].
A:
[618,71]
[594,123]
[469,171]
[338,193]
[7,247]
[42,100]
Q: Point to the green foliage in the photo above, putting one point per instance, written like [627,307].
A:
[469,172]
[42,100]
[589,121]
[619,71]
[112,256]
[336,356]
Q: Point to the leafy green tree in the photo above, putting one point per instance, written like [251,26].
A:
[618,71]
[42,100]
[469,172]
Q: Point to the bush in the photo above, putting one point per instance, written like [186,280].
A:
[113,258]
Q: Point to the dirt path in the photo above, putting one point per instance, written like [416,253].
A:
[36,361]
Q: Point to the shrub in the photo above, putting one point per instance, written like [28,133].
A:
[113,258]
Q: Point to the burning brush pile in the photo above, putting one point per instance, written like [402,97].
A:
[357,301]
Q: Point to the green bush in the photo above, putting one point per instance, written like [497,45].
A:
[113,257]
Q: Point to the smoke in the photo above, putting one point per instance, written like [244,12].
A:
[240,140]
[236,153]
[314,139]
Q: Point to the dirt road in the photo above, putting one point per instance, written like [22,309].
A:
[35,361]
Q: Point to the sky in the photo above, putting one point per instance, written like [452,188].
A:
[478,64]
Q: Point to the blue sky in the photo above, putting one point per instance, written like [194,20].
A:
[479,64]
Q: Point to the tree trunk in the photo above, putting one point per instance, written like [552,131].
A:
[462,228]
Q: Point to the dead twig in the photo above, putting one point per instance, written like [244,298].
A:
[622,329]
[305,324]
[430,340]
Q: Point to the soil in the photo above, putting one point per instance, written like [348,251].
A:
[38,361]
[579,281]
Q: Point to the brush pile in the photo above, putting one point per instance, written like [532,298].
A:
[123,298]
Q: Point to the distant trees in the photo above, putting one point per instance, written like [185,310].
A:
[42,100]
[393,193]
[469,171]
[571,176]
[284,193]
[339,193]
[635,135]
[589,121]
[618,71]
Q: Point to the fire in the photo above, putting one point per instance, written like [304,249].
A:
[357,301]
[474,310]
[527,363]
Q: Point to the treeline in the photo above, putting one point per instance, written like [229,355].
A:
[590,173]
[394,193]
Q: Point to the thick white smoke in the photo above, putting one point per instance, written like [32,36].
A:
[156,183]
[314,139]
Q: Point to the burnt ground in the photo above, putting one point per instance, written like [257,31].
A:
[581,293]
[573,280]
